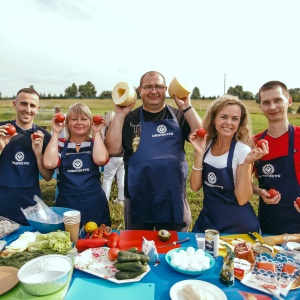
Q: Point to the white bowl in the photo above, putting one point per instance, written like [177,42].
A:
[46,274]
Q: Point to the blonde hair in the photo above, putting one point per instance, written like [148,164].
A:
[78,109]
[244,132]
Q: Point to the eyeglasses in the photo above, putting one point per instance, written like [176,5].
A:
[150,88]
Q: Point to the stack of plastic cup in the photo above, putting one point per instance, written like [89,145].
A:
[200,238]
[72,224]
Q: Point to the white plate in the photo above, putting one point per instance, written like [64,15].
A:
[96,262]
[212,291]
[292,245]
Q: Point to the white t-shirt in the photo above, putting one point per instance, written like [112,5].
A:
[240,152]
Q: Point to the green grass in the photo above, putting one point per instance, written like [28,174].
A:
[43,118]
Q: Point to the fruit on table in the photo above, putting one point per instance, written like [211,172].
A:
[59,118]
[11,130]
[201,132]
[260,142]
[164,235]
[273,193]
[113,253]
[113,240]
[177,88]
[123,94]
[90,226]
[84,244]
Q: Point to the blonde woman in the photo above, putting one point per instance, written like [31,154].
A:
[223,167]
[115,167]
[77,159]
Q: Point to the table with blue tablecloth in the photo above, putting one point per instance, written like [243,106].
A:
[158,281]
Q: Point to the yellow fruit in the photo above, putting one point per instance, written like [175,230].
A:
[175,87]
[123,94]
[90,226]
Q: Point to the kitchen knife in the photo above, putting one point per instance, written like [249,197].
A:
[174,243]
[258,247]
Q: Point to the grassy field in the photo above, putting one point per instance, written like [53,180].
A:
[97,106]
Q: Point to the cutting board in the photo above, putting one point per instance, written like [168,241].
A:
[243,236]
[134,238]
[93,288]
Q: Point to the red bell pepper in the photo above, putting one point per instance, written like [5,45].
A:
[83,244]
[113,240]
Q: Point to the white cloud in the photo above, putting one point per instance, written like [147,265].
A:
[53,43]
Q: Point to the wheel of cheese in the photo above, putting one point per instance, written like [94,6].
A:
[175,87]
[123,94]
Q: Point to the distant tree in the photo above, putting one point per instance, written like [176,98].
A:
[31,87]
[0,95]
[295,94]
[238,91]
[105,95]
[196,93]
[87,90]
[71,91]
[49,96]
[61,96]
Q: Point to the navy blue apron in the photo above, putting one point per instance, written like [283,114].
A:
[19,180]
[157,173]
[221,210]
[79,186]
[279,173]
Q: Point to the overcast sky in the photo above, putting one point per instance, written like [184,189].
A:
[52,43]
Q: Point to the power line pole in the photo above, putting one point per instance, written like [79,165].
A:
[224,82]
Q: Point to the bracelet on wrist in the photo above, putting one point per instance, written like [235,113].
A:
[196,169]
[188,108]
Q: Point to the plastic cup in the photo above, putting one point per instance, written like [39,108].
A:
[200,239]
[72,223]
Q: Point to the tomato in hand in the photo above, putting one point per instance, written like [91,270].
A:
[98,119]
[260,142]
[298,201]
[113,240]
[273,193]
[35,135]
[59,118]
[201,132]
[113,253]
[11,130]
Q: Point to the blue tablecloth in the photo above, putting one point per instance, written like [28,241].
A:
[164,277]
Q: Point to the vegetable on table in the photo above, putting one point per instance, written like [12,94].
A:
[84,244]
[113,240]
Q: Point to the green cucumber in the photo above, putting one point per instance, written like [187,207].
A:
[133,266]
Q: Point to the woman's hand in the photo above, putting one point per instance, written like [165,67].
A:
[198,143]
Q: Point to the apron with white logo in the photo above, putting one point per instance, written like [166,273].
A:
[79,186]
[19,180]
[279,174]
[221,210]
[157,173]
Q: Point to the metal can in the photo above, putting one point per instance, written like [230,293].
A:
[212,241]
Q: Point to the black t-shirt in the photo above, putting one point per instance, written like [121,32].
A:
[132,127]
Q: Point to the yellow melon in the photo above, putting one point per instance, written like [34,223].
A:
[123,94]
[175,87]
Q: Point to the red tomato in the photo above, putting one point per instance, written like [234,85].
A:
[59,118]
[113,253]
[11,130]
[260,142]
[35,135]
[201,132]
[98,119]
[298,201]
[273,193]
[113,240]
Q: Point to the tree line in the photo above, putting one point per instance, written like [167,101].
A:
[88,90]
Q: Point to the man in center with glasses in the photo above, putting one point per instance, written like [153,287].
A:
[152,137]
